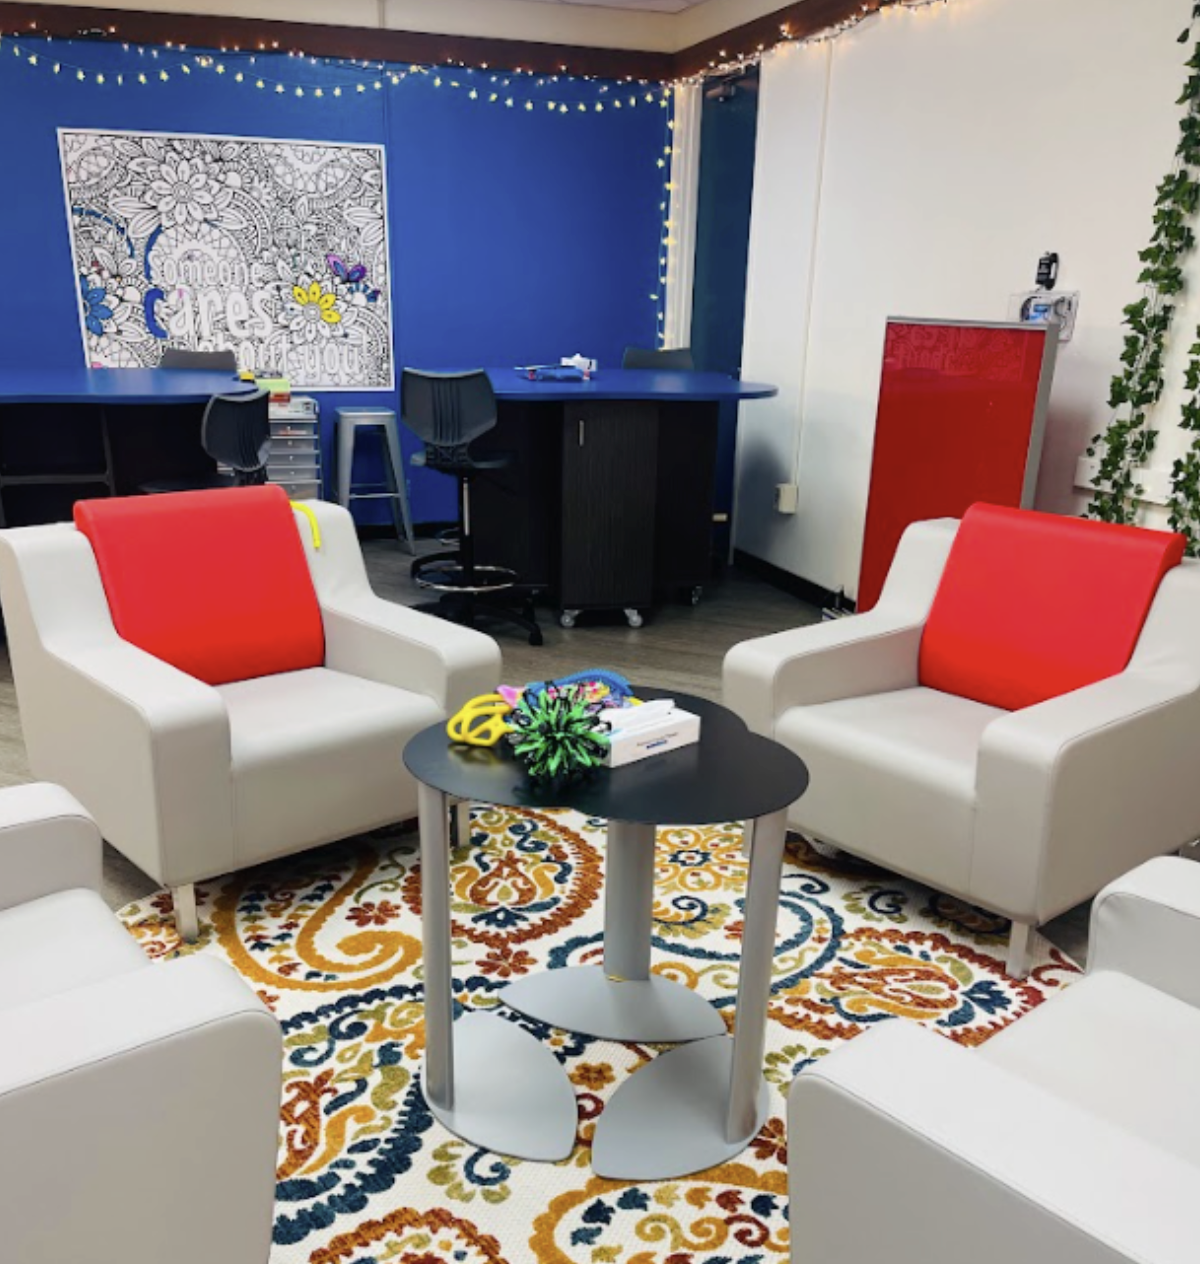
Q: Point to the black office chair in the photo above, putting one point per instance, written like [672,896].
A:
[645,358]
[213,361]
[236,433]
[448,412]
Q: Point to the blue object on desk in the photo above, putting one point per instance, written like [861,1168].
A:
[551,373]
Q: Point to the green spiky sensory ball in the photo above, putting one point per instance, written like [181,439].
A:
[557,736]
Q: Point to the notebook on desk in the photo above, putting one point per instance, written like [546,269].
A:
[552,373]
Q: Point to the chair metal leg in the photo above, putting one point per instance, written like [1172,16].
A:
[1020,944]
[187,922]
[345,460]
[401,514]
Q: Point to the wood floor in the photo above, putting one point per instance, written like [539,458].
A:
[679,648]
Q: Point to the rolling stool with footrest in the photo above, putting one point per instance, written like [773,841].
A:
[448,412]
[381,421]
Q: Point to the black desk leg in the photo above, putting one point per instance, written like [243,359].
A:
[687,472]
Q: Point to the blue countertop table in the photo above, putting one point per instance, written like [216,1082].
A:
[116,386]
[657,385]
[68,433]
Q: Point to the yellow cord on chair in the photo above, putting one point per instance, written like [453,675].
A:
[301,507]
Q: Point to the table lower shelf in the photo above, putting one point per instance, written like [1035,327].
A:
[670,1119]
[585,999]
[511,1094]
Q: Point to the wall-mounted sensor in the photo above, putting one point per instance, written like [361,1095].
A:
[1047,271]
[1046,307]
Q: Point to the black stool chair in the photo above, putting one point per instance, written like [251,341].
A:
[669,358]
[213,361]
[448,412]
[236,433]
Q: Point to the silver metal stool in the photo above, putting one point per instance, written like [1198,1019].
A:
[383,420]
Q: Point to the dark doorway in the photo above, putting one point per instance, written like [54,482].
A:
[728,131]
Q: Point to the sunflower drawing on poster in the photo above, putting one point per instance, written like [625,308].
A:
[274,249]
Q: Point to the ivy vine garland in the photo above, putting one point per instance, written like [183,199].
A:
[1129,440]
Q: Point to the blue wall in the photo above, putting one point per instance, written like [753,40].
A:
[516,236]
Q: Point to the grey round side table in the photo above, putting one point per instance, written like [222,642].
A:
[700,1103]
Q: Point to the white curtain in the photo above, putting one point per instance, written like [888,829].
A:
[680,254]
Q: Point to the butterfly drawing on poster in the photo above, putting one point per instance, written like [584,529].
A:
[355,277]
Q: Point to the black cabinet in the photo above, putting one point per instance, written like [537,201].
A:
[609,478]
[606,504]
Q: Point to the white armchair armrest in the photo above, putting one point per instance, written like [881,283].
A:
[965,1160]
[144,745]
[139,1120]
[148,747]
[1105,771]
[48,843]
[1146,925]
[869,653]
[382,641]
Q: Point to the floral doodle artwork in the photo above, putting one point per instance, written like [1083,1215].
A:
[274,249]
[331,940]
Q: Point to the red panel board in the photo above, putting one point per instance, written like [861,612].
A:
[957,423]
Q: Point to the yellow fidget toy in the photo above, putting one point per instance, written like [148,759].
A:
[481,721]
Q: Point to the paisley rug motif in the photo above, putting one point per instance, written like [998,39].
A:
[331,941]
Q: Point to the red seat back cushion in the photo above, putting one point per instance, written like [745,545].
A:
[1033,605]
[214,583]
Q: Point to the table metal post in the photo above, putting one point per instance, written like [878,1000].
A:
[435,932]
[628,900]
[755,974]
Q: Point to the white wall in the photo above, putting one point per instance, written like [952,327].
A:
[960,142]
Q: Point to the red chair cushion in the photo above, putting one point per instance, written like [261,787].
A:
[1033,605]
[214,583]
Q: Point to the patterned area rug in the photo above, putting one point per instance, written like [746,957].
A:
[331,941]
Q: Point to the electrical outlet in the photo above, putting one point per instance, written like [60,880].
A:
[787,498]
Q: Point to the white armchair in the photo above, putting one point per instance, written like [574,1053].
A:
[1072,1136]
[109,1062]
[190,779]
[1026,810]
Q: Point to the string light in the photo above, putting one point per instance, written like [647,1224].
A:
[377,73]
[187,65]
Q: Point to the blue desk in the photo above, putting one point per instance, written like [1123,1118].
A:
[70,433]
[116,386]
[608,503]
[656,385]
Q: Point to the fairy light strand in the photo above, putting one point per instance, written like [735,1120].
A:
[508,89]
[478,84]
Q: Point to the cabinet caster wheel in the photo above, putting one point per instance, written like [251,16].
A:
[695,595]
[633,618]
[567,618]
